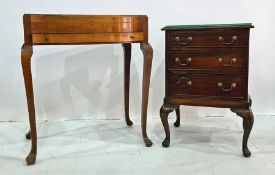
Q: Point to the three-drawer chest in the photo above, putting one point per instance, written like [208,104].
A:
[207,65]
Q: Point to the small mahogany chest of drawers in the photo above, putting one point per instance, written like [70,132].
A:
[207,65]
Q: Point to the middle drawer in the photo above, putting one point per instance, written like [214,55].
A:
[225,60]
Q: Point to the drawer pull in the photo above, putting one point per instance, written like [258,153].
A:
[234,38]
[185,79]
[178,60]
[187,40]
[233,60]
[233,85]
[46,39]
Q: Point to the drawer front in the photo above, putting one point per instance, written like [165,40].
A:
[223,61]
[227,38]
[207,85]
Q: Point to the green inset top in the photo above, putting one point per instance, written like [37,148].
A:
[208,26]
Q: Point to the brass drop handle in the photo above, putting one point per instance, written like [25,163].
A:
[234,38]
[178,60]
[181,79]
[233,60]
[184,43]
[220,85]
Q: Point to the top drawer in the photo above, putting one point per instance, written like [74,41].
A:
[218,38]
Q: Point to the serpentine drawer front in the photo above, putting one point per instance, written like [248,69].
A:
[207,65]
[42,29]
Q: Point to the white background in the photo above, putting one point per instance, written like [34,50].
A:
[87,81]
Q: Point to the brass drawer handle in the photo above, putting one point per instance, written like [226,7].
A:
[178,60]
[233,60]
[233,85]
[188,82]
[187,40]
[234,38]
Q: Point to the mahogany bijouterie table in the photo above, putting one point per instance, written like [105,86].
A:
[42,29]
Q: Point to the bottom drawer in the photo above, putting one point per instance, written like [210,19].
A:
[207,85]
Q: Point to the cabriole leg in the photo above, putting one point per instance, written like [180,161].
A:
[164,112]
[248,121]
[127,62]
[26,67]
[148,56]
[177,122]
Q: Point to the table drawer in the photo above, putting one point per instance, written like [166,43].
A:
[225,61]
[230,38]
[206,85]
